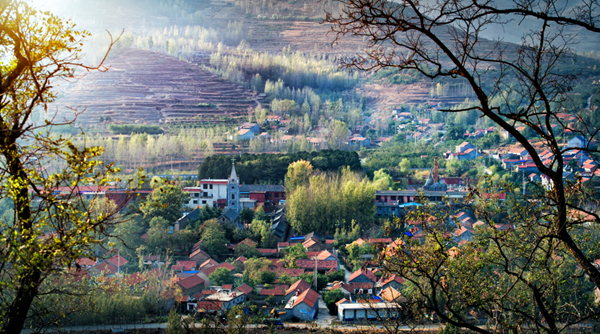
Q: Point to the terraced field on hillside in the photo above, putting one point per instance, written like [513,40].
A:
[149,87]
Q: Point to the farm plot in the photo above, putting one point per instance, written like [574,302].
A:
[149,87]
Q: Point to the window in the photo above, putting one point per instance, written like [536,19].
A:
[205,186]
[276,195]
[232,187]
[232,196]
[378,198]
[196,194]
[393,198]
[204,194]
[232,203]
[211,186]
[203,202]
[195,201]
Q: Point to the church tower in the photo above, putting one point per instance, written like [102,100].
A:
[233,190]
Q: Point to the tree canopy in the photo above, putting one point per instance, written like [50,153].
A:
[272,168]
[515,86]
[221,276]
[167,202]
[213,238]
[330,201]
[48,231]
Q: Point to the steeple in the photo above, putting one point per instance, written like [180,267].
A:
[233,177]
[233,189]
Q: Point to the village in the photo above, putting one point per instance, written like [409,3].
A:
[324,278]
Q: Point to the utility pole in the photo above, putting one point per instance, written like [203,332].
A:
[316,286]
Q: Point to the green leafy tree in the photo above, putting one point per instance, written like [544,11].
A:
[298,174]
[246,251]
[127,236]
[267,239]
[382,180]
[354,258]
[268,277]
[221,276]
[333,296]
[260,214]
[293,253]
[167,202]
[246,215]
[405,166]
[48,232]
[254,267]
[338,275]
[455,131]
[174,323]
[331,201]
[270,300]
[213,238]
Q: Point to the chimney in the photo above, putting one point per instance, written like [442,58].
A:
[435,170]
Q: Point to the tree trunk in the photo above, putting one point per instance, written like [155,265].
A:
[27,291]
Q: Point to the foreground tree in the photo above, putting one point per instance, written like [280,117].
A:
[515,85]
[51,227]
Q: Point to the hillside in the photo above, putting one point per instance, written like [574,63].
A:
[150,87]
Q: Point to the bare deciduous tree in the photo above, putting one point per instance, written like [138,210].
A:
[529,85]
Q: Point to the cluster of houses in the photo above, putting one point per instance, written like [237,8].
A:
[249,131]
[363,288]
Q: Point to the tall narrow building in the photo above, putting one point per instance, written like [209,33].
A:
[233,190]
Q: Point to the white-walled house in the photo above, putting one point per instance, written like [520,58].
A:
[209,191]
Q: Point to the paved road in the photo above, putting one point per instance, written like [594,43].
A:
[433,328]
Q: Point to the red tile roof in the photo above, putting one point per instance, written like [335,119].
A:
[85,262]
[283,244]
[106,267]
[309,297]
[321,264]
[247,242]
[460,231]
[227,286]
[311,255]
[329,241]
[241,259]
[272,292]
[266,251]
[325,254]
[289,271]
[390,278]
[309,243]
[187,265]
[277,262]
[341,301]
[244,288]
[190,282]
[209,305]
[118,261]
[199,251]
[207,264]
[300,284]
[369,274]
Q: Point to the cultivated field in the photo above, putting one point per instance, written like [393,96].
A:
[149,87]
